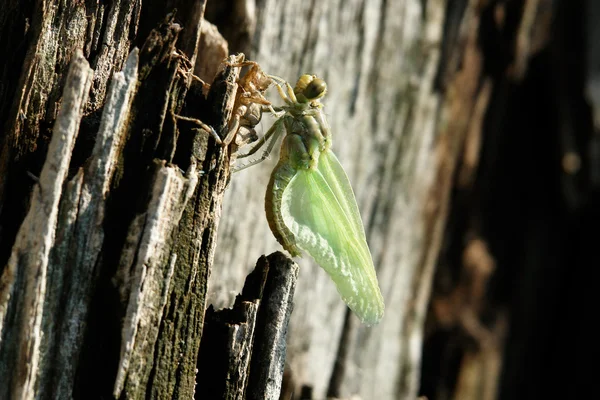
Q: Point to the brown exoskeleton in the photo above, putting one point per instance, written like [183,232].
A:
[249,105]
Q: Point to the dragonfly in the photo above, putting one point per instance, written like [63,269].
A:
[310,204]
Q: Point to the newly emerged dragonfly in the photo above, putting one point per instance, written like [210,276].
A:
[309,202]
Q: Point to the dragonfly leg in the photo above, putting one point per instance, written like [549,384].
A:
[283,94]
[205,85]
[289,97]
[277,112]
[325,130]
[241,64]
[271,137]
[275,130]
[234,125]
[291,93]
[204,127]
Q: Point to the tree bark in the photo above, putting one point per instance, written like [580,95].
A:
[398,145]
[97,282]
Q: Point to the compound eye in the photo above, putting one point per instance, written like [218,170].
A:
[315,89]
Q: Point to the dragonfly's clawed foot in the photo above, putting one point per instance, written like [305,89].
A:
[277,112]
[180,55]
[205,85]
[278,80]
[285,90]
[203,128]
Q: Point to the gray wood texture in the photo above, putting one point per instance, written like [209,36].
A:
[24,281]
[242,354]
[380,60]
[60,287]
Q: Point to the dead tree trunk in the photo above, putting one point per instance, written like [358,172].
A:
[106,263]
[516,279]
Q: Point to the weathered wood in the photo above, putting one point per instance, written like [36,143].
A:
[177,346]
[242,353]
[225,351]
[80,240]
[24,280]
[145,273]
[510,283]
[46,36]
[213,49]
[123,208]
[270,337]
[380,60]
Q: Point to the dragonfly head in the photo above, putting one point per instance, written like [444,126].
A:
[309,88]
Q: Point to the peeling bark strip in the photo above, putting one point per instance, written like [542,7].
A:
[242,354]
[28,263]
[75,257]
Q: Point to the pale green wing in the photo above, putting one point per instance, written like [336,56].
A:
[319,208]
[339,183]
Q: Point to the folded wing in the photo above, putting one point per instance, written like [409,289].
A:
[319,208]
